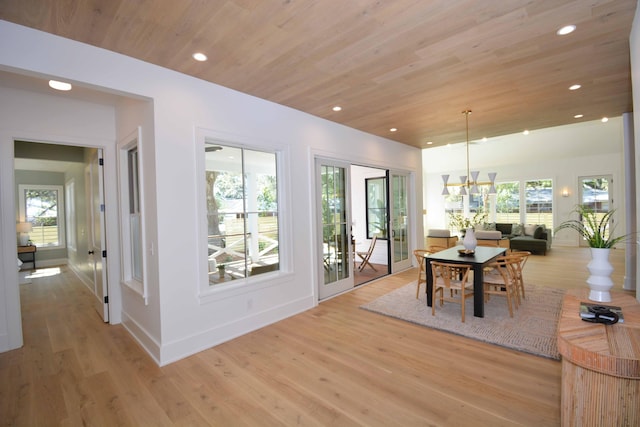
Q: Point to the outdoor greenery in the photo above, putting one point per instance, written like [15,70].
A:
[593,227]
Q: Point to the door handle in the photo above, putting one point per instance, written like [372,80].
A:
[90,252]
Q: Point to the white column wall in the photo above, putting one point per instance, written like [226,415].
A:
[634,42]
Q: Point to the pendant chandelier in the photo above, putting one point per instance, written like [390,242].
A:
[469,183]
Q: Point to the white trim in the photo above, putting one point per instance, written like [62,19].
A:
[207,293]
[132,140]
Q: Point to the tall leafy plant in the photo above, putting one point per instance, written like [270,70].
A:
[593,228]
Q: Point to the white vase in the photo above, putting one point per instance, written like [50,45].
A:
[600,281]
[470,242]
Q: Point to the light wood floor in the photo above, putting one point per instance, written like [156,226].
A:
[333,365]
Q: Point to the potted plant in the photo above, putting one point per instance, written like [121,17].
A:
[594,228]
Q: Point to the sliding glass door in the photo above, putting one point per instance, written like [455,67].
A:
[399,239]
[334,233]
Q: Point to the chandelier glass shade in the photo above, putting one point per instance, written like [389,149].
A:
[469,183]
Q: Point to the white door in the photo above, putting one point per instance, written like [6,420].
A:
[335,274]
[399,218]
[97,251]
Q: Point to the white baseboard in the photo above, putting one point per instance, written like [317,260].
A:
[187,346]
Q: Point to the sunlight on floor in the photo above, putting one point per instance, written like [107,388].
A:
[44,272]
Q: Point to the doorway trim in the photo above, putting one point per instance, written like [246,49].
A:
[13,338]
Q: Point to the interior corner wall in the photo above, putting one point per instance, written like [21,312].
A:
[140,316]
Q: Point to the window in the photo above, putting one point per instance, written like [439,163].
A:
[376,189]
[131,219]
[453,205]
[70,208]
[539,202]
[508,202]
[135,236]
[43,207]
[242,212]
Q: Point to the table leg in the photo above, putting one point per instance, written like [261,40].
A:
[478,290]
[427,265]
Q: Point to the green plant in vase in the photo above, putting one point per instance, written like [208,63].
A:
[595,228]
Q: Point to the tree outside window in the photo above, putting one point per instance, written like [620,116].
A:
[42,206]
[242,212]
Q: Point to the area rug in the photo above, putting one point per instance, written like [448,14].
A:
[532,328]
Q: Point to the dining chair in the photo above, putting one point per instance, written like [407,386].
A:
[502,280]
[422,275]
[365,256]
[452,277]
[422,272]
[524,255]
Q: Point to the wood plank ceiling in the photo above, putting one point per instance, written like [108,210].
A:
[414,65]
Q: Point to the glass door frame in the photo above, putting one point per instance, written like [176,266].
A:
[399,221]
[346,282]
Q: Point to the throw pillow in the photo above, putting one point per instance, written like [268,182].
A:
[529,229]
[517,230]
[537,234]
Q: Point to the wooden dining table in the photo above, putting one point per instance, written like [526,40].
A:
[482,256]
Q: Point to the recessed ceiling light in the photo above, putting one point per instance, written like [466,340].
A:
[578,116]
[567,29]
[393,130]
[484,139]
[526,132]
[59,85]
[605,119]
[199,56]
[575,87]
[429,142]
[337,108]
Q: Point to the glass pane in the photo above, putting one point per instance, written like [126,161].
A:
[400,209]
[334,226]
[453,205]
[595,196]
[261,199]
[376,205]
[508,202]
[225,213]
[242,213]
[136,247]
[539,202]
[42,213]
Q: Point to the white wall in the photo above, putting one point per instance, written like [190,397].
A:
[562,153]
[177,321]
[634,41]
[31,116]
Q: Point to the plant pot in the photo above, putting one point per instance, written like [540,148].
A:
[600,281]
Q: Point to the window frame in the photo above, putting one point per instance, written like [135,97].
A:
[127,277]
[206,292]
[374,211]
[525,215]
[61,219]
